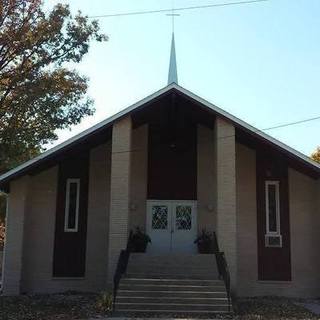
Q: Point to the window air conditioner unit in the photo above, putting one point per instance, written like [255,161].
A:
[273,241]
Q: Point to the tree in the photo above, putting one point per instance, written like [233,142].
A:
[39,92]
[316,155]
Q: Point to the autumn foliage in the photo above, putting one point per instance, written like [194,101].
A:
[39,90]
[316,155]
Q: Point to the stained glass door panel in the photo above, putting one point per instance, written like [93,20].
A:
[183,217]
[184,224]
[159,226]
[159,217]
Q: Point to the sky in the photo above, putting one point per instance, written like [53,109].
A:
[260,62]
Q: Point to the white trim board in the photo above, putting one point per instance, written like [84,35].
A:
[67,206]
[140,103]
[275,183]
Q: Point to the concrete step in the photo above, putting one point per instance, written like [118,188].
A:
[171,300]
[172,257]
[171,270]
[173,307]
[129,313]
[184,276]
[174,294]
[149,267]
[171,284]
[156,281]
[166,287]
[173,260]
[179,266]
[173,275]
[194,263]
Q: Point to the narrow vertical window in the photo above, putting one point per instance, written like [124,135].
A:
[273,234]
[272,207]
[72,205]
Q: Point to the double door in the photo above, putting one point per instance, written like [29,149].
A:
[171,225]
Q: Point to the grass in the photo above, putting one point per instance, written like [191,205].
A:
[84,306]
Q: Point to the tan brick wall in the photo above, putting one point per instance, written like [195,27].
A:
[226,194]
[39,231]
[139,177]
[246,219]
[98,217]
[119,191]
[15,225]
[40,227]
[305,235]
[206,187]
[304,226]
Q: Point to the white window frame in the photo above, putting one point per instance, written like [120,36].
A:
[66,213]
[277,187]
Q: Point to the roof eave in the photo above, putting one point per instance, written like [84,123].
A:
[23,168]
[4,178]
[243,125]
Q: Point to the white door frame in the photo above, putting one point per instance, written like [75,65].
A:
[168,235]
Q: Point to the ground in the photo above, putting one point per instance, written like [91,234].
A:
[84,306]
[268,308]
[49,307]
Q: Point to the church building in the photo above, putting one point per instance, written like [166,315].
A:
[176,167]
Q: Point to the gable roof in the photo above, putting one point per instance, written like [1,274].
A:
[25,167]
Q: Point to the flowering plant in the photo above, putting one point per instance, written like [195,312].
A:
[205,242]
[138,240]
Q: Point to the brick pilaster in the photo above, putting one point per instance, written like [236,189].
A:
[119,191]
[226,193]
[13,251]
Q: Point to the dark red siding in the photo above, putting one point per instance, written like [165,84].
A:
[172,164]
[273,263]
[70,247]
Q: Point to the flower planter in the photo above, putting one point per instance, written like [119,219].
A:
[138,241]
[205,242]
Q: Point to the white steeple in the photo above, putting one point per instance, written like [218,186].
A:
[173,74]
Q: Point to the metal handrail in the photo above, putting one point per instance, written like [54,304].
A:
[120,271]
[224,273]
[222,268]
